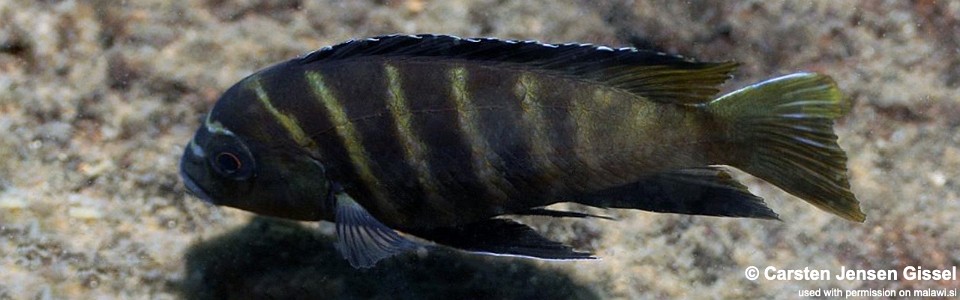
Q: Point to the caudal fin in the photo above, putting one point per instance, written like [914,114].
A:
[783,130]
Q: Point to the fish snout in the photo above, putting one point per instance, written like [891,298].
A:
[190,164]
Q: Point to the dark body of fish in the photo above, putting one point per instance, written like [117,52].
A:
[436,135]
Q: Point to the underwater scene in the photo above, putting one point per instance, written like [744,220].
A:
[479,149]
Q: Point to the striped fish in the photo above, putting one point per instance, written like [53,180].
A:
[436,136]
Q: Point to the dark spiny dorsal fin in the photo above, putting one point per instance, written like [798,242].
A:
[657,76]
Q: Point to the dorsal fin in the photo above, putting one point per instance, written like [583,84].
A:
[657,76]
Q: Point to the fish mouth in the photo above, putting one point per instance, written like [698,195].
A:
[192,187]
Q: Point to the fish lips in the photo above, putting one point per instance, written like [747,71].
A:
[190,160]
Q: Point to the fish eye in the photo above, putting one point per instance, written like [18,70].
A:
[229,157]
[236,165]
[228,162]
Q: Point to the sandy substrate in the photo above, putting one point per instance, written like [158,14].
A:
[97,100]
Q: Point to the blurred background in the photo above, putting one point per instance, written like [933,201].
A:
[98,98]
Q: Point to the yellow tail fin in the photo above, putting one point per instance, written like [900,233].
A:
[785,126]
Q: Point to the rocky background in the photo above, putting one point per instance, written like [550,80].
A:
[97,99]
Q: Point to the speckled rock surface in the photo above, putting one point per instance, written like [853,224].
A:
[97,99]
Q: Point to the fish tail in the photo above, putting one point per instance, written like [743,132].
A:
[781,130]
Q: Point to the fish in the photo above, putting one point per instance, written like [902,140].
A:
[413,141]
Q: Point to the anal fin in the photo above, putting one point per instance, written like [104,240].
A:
[361,238]
[501,237]
[698,191]
[540,211]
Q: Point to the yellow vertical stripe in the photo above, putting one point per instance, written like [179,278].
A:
[482,156]
[587,111]
[533,117]
[413,150]
[350,136]
[289,123]
[535,123]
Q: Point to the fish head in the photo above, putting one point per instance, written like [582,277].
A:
[234,161]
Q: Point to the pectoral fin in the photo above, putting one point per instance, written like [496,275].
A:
[362,239]
[501,237]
